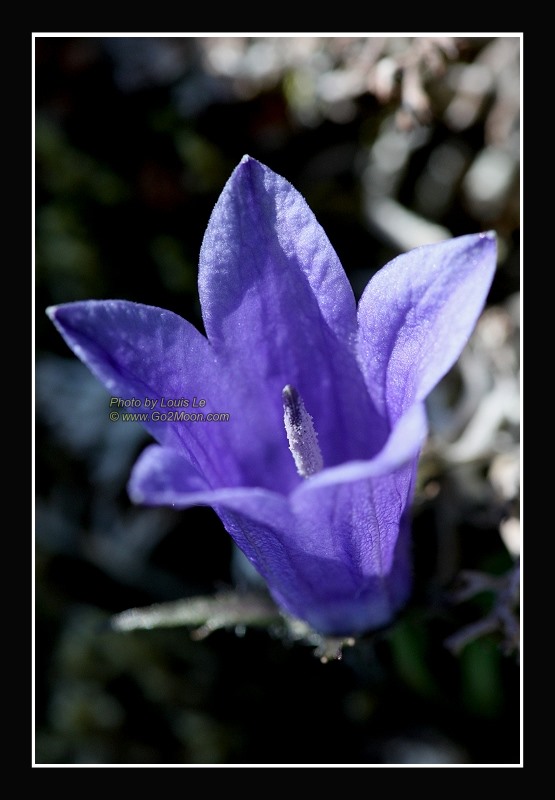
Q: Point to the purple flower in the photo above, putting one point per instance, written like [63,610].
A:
[313,473]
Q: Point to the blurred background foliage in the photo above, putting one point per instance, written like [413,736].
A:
[394,142]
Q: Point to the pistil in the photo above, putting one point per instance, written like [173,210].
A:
[302,437]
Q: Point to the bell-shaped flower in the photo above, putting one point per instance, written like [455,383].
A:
[313,473]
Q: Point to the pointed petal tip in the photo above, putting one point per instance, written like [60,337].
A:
[63,314]
[250,166]
[486,242]
[249,163]
[491,235]
[488,238]
[57,314]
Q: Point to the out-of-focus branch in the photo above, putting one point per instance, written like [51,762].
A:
[503,616]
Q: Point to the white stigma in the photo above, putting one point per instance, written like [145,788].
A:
[303,439]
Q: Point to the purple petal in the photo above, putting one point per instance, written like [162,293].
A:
[403,445]
[355,522]
[144,352]
[279,310]
[416,315]
[162,476]
[355,559]
[262,223]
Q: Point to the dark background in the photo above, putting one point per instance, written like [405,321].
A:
[393,142]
